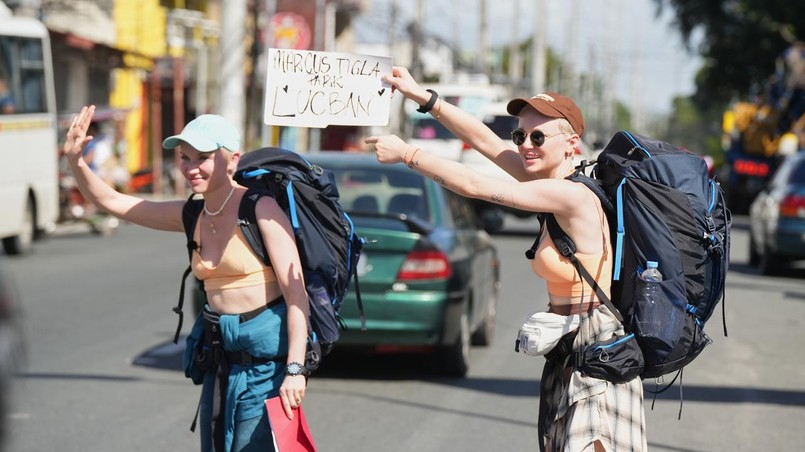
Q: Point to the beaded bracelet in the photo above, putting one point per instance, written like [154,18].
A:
[407,151]
[410,162]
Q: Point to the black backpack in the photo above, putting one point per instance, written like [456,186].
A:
[663,207]
[328,246]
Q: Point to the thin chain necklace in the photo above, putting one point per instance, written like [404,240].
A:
[218,212]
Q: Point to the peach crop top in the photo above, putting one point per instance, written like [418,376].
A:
[560,274]
[238,267]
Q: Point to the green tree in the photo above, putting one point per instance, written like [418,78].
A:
[694,128]
[741,39]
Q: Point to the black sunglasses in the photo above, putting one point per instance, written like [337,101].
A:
[537,137]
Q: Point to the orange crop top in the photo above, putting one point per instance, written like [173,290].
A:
[238,267]
[560,274]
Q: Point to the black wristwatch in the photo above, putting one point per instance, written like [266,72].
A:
[294,369]
[429,106]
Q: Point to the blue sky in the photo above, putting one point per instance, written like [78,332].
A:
[623,39]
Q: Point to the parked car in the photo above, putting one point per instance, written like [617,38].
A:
[777,218]
[429,273]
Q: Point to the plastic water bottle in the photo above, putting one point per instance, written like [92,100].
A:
[648,314]
[651,273]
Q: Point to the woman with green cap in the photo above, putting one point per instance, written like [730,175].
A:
[259,311]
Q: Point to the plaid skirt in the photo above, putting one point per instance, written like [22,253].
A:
[576,410]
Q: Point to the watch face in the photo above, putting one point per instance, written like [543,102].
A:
[293,369]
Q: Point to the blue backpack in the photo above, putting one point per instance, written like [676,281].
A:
[661,206]
[328,246]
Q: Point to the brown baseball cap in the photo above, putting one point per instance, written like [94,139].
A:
[552,105]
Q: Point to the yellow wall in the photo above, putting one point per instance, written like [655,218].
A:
[127,95]
[140,26]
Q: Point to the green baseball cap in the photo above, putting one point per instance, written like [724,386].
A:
[207,133]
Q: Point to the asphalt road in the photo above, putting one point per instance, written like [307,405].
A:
[102,373]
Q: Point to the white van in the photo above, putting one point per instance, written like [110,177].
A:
[427,133]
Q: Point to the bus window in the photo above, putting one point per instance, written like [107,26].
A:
[22,71]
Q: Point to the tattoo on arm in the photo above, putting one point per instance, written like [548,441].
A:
[511,193]
[439,180]
[497,198]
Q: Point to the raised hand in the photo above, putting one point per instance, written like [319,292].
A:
[401,79]
[77,133]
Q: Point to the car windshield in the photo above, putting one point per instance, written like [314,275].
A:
[374,191]
[798,173]
[426,128]
[502,125]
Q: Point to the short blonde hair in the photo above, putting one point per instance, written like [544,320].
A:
[564,126]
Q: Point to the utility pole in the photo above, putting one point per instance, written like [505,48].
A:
[538,56]
[393,10]
[231,95]
[514,50]
[483,40]
[417,39]
[613,38]
[457,60]
[569,80]
[638,121]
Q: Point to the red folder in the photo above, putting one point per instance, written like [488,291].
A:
[290,435]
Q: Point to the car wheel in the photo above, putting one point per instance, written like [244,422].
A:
[770,263]
[455,359]
[492,219]
[754,256]
[23,242]
[483,336]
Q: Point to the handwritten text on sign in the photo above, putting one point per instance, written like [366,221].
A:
[305,88]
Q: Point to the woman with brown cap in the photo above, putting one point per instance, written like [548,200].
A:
[577,412]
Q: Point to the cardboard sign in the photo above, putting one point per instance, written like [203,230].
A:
[305,88]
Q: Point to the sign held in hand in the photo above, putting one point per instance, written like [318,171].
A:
[306,88]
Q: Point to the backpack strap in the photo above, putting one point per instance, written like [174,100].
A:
[190,213]
[531,252]
[595,186]
[247,220]
[567,247]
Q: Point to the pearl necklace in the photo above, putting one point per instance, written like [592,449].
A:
[218,212]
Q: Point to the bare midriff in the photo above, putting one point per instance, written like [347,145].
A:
[242,299]
[571,305]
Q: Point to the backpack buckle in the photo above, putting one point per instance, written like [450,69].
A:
[710,222]
[564,248]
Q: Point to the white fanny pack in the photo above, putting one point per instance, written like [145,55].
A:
[540,333]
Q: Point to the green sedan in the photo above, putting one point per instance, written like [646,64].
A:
[428,274]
